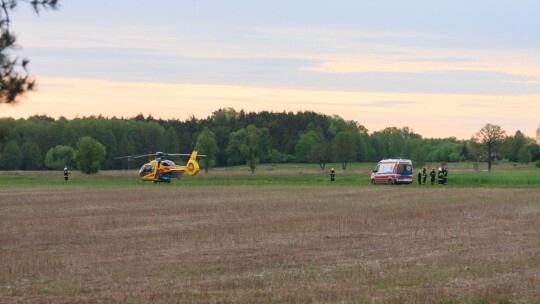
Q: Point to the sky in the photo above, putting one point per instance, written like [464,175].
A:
[441,68]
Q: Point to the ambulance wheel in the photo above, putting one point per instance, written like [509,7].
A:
[389,182]
[373,181]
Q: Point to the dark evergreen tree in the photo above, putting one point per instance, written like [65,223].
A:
[11,156]
[464,152]
[172,144]
[14,78]
[31,158]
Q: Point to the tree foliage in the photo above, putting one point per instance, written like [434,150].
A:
[345,148]
[30,156]
[304,145]
[89,155]
[207,145]
[59,157]
[11,157]
[419,156]
[172,144]
[290,137]
[321,153]
[251,143]
[524,155]
[490,138]
[14,77]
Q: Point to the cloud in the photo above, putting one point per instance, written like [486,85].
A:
[142,65]
[462,115]
[390,103]
[445,60]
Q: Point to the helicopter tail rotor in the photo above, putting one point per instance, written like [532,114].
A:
[192,167]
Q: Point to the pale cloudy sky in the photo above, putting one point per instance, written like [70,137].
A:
[442,68]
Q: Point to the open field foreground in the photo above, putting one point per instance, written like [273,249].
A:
[230,244]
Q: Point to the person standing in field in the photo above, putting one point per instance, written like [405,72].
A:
[440,176]
[419,177]
[332,175]
[424,175]
[432,174]
[445,175]
[66,174]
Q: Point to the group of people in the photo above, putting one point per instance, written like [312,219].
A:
[441,175]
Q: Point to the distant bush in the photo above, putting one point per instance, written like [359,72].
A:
[538,163]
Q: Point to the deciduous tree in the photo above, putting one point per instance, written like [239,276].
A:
[89,155]
[305,144]
[321,153]
[252,143]
[490,139]
[524,155]
[207,145]
[419,156]
[59,157]
[345,148]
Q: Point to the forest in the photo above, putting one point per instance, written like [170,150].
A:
[231,137]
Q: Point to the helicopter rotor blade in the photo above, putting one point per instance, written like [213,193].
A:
[144,155]
[134,156]
[154,154]
[183,154]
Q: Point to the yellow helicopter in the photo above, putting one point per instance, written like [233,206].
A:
[161,170]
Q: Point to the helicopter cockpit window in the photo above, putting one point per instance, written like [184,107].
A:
[167,163]
[146,169]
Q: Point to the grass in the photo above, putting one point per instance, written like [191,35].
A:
[272,244]
[506,175]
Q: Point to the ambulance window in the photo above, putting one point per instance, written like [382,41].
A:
[404,168]
[376,169]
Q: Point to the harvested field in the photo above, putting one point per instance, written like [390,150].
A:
[269,244]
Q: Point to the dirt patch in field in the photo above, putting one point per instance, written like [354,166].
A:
[268,244]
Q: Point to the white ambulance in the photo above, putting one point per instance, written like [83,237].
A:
[393,171]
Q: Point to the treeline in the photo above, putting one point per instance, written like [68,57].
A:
[231,138]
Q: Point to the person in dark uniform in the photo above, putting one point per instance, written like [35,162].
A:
[419,177]
[432,174]
[445,175]
[424,175]
[440,176]
[332,175]
[66,174]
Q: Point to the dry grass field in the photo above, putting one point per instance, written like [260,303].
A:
[235,244]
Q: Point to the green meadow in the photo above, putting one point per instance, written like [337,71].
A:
[288,175]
